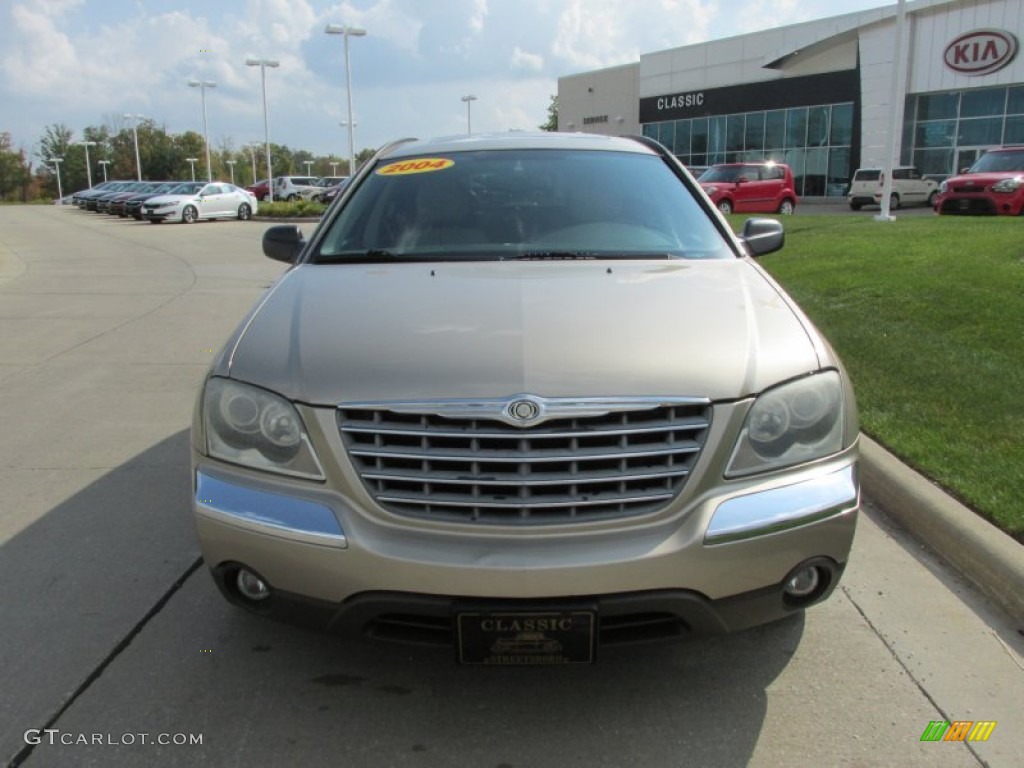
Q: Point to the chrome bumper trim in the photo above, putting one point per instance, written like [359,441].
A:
[777,509]
[273,514]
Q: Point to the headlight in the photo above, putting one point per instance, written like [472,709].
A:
[943,187]
[791,424]
[256,428]
[1008,185]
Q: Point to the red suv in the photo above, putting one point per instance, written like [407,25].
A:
[993,185]
[750,187]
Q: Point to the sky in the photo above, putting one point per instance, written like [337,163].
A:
[88,62]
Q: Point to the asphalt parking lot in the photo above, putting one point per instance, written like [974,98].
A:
[114,638]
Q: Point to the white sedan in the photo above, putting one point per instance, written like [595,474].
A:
[199,200]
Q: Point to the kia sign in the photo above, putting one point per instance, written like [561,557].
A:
[981,52]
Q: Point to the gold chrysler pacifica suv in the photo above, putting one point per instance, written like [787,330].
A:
[525,386]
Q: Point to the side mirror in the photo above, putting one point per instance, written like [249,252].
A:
[763,236]
[283,243]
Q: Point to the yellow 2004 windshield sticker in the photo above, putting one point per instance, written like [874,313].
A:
[421,165]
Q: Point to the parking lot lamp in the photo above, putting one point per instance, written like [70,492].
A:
[135,132]
[231,165]
[308,164]
[56,164]
[334,169]
[202,85]
[469,99]
[104,163]
[263,64]
[192,162]
[88,169]
[348,31]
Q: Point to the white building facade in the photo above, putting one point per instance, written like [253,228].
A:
[818,95]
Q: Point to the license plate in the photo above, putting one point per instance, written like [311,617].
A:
[524,638]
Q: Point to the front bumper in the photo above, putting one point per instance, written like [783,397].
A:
[161,214]
[714,564]
[982,204]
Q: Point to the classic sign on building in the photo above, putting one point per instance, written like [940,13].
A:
[981,52]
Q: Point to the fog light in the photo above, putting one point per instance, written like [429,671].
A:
[803,583]
[251,586]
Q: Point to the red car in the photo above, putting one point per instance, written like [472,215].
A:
[260,189]
[993,185]
[750,187]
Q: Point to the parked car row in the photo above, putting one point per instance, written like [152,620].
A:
[292,188]
[159,201]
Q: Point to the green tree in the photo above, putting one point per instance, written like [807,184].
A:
[14,170]
[552,122]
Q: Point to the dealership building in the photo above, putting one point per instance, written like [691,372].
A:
[819,95]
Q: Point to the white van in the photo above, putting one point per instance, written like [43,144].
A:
[292,187]
[908,187]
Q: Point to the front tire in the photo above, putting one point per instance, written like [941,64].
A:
[894,202]
[189,215]
[787,207]
[725,207]
[854,206]
[932,198]
[244,212]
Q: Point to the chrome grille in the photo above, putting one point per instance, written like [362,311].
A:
[628,461]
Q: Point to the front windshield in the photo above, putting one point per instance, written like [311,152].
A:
[522,203]
[999,162]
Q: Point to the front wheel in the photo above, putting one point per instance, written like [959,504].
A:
[244,212]
[189,215]
[932,198]
[725,207]
[854,206]
[894,202]
[787,207]
[292,198]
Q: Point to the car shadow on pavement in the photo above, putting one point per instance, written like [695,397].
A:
[81,579]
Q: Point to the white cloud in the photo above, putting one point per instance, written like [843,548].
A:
[528,61]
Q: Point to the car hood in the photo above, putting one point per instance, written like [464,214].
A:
[982,180]
[326,334]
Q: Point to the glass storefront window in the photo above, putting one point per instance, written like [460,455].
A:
[735,130]
[938,133]
[937,161]
[1014,133]
[753,138]
[651,130]
[817,126]
[980,131]
[796,127]
[682,137]
[667,135]
[937,106]
[815,171]
[716,136]
[699,136]
[986,103]
[775,129]
[794,158]
[838,170]
[1015,101]
[842,125]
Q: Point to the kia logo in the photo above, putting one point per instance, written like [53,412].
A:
[981,52]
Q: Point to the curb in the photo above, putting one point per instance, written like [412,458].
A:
[987,557]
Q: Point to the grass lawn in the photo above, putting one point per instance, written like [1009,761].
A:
[927,313]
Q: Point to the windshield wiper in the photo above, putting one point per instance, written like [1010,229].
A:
[382,256]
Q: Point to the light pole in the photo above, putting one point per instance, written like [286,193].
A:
[334,169]
[253,146]
[231,165]
[308,164]
[348,31]
[104,163]
[263,64]
[469,99]
[135,132]
[88,169]
[202,85]
[351,162]
[56,163]
[192,162]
